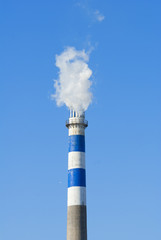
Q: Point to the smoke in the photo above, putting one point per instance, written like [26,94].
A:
[100,17]
[94,15]
[73,85]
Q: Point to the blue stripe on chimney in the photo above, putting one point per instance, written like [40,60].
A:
[76,177]
[76,143]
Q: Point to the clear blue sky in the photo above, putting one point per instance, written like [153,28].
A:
[124,135]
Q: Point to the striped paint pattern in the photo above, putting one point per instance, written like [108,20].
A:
[76,167]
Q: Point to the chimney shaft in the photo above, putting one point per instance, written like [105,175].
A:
[76,213]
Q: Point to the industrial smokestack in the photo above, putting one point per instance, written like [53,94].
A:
[76,203]
[73,89]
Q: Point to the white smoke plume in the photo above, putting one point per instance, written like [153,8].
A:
[73,85]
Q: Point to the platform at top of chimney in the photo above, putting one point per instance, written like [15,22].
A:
[76,119]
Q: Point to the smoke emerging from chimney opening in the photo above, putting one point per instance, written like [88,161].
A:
[72,87]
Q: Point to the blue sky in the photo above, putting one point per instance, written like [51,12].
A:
[123,138]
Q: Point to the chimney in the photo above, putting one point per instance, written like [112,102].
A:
[76,203]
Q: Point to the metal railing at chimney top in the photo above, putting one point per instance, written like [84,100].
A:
[76,120]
